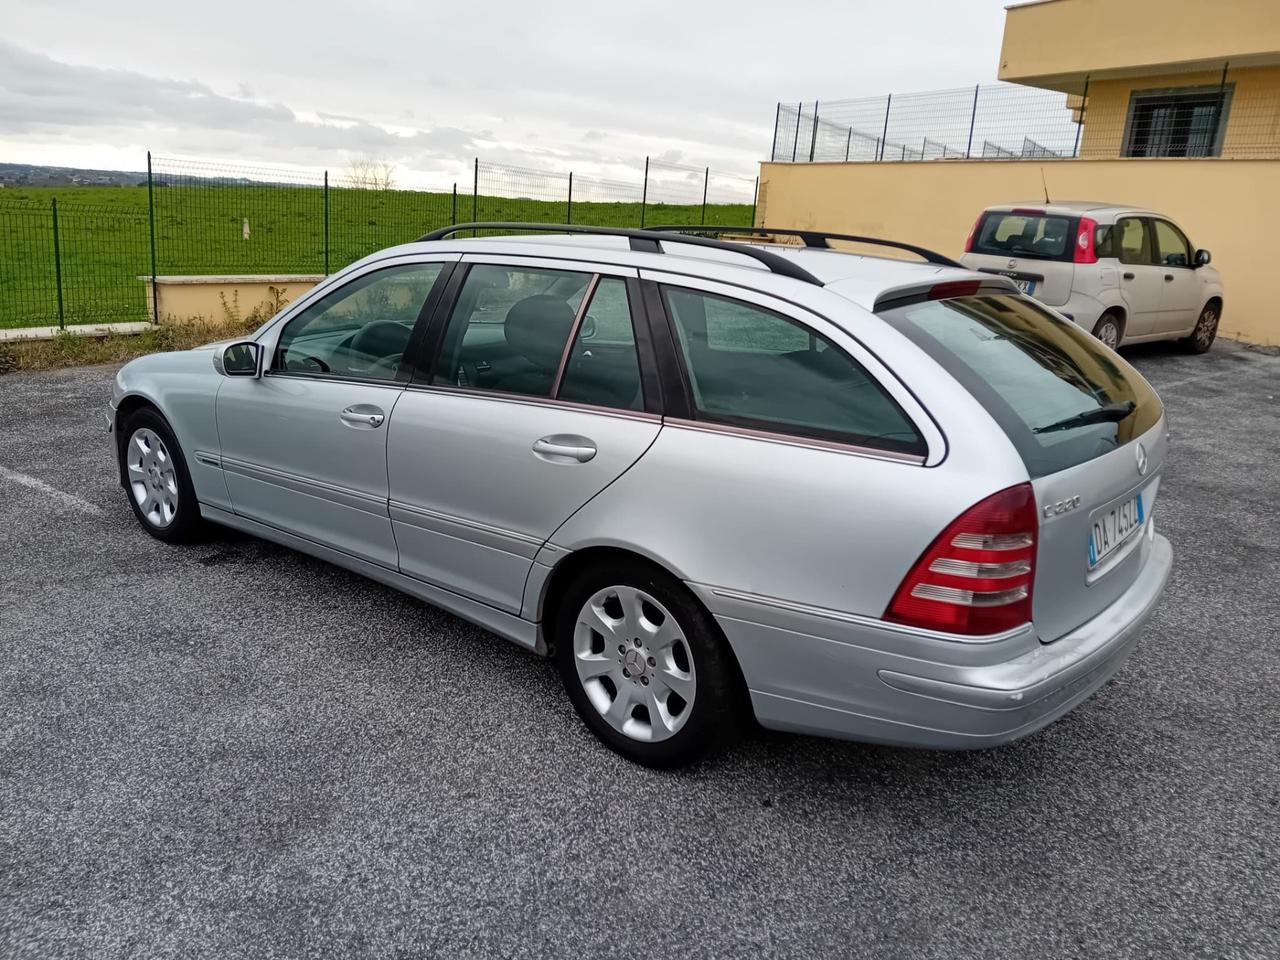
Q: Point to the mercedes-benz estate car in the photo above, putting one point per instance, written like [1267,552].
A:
[716,480]
[1127,275]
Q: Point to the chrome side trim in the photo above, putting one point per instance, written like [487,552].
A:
[208,459]
[841,616]
[769,436]
[498,538]
[343,496]
[499,397]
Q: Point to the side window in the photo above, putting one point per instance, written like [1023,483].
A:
[1171,246]
[603,368]
[1135,244]
[755,368]
[359,330]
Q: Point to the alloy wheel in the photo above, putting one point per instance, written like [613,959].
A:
[634,663]
[153,480]
[1109,333]
[1206,328]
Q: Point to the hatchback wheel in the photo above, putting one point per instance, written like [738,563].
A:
[1205,332]
[645,665]
[156,478]
[1108,330]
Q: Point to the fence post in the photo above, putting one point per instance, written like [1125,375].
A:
[453,219]
[644,191]
[1084,99]
[847,144]
[773,147]
[888,101]
[706,180]
[475,195]
[813,141]
[795,142]
[755,196]
[326,223]
[569,213]
[151,227]
[57,266]
[973,117]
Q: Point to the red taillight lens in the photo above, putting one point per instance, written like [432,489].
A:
[1085,252]
[968,243]
[976,578]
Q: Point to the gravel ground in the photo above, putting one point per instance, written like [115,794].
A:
[233,750]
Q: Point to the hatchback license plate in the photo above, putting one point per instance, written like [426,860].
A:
[1112,528]
[1026,286]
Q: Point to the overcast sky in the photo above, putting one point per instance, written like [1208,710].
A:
[592,87]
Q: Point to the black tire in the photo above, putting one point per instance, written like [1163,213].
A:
[186,525]
[1205,330]
[1109,329]
[716,708]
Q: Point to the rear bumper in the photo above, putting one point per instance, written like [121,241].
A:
[859,679]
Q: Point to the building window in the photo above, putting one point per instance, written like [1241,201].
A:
[1177,123]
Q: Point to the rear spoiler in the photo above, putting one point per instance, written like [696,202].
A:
[944,290]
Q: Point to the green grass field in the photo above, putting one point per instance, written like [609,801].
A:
[104,236]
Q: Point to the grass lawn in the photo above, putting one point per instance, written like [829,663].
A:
[104,236]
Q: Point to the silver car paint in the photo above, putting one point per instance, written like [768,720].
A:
[794,546]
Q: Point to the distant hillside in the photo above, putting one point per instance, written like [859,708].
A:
[29,175]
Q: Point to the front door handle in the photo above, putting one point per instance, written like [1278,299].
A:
[1168,278]
[362,416]
[564,448]
[1128,276]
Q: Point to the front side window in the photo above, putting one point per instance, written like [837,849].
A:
[1171,246]
[1134,242]
[751,367]
[360,330]
[511,325]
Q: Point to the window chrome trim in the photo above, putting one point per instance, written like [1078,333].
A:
[590,292]
[797,440]
[524,398]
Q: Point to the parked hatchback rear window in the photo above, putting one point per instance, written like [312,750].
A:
[1060,395]
[1024,234]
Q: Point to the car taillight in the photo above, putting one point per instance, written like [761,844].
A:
[1085,252]
[976,577]
[968,243]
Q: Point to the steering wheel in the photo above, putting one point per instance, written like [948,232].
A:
[320,364]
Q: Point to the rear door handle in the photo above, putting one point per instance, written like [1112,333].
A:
[564,448]
[1168,278]
[1128,276]
[362,416]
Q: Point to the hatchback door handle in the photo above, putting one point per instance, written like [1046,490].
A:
[1168,278]
[1128,276]
[362,416]
[564,448]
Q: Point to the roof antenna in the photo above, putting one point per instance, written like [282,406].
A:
[1044,183]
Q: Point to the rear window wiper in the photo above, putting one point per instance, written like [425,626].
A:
[1107,413]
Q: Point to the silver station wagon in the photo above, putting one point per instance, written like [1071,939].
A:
[713,478]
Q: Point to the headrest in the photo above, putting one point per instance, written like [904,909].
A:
[537,327]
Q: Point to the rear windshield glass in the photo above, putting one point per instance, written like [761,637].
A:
[1023,235]
[1060,395]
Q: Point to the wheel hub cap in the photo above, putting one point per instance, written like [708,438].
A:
[153,480]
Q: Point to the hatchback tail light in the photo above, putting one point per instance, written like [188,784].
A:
[968,243]
[976,577]
[1085,251]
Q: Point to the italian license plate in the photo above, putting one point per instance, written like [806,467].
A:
[1026,286]
[1112,528]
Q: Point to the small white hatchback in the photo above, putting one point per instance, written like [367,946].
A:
[1126,274]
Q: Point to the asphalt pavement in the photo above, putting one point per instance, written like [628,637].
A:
[232,750]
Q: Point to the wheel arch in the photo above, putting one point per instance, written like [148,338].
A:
[128,405]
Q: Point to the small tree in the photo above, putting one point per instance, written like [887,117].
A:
[371,173]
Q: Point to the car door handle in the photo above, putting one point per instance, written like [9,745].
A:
[1168,278]
[564,448]
[362,416]
[1128,276]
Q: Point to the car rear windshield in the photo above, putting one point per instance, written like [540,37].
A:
[1024,234]
[1060,395]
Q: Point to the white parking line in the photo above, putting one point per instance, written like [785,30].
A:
[67,499]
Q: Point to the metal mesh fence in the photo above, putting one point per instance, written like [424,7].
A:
[1189,114]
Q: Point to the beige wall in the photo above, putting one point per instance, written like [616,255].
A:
[1228,206]
[212,299]
[1054,44]
[1253,112]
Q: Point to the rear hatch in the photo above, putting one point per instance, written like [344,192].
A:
[1089,428]
[1031,246]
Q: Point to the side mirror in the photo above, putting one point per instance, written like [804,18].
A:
[243,359]
[1203,257]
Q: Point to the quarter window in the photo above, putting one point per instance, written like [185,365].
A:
[1171,246]
[360,330]
[751,367]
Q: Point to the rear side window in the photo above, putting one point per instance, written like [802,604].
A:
[1060,396]
[750,367]
[1024,235]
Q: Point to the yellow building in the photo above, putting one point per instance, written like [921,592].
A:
[1169,105]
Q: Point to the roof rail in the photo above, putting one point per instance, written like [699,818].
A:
[643,240]
[818,238]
